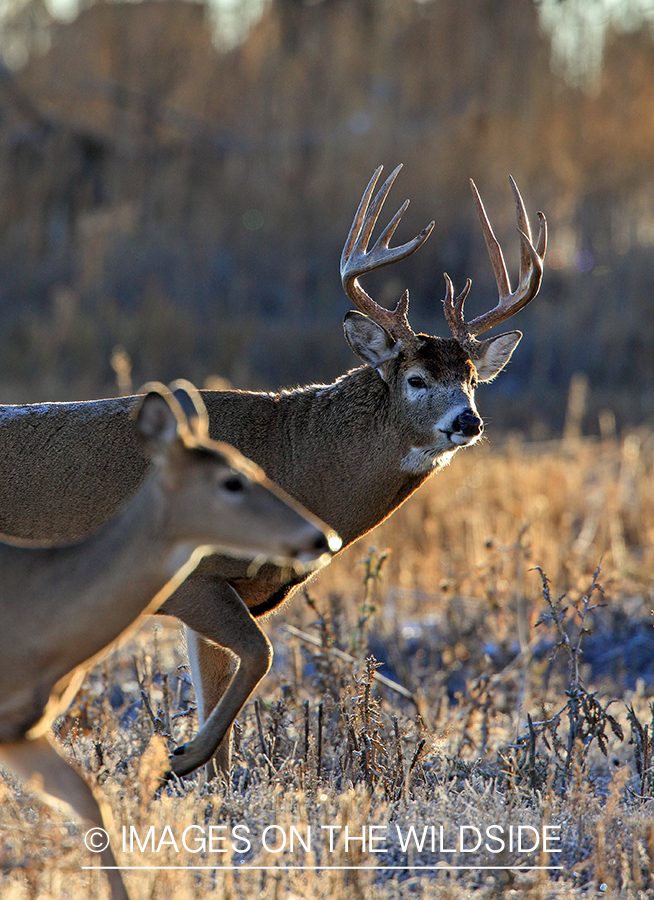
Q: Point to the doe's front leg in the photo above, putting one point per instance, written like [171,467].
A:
[60,783]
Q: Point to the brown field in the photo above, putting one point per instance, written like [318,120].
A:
[508,723]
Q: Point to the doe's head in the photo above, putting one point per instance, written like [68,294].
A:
[217,497]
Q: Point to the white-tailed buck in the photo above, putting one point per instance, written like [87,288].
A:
[351,451]
[61,606]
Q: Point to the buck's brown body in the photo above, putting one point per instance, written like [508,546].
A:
[351,452]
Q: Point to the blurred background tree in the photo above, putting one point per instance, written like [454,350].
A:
[178,179]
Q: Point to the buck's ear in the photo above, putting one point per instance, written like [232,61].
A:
[157,420]
[495,353]
[371,343]
[188,397]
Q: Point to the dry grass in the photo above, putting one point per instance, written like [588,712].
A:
[520,687]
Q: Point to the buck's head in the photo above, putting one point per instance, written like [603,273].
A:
[431,380]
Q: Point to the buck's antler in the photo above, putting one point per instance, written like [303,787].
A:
[510,302]
[356,259]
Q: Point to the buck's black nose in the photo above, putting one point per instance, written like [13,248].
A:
[468,423]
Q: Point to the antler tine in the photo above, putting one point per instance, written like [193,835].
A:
[372,213]
[524,228]
[493,246]
[453,308]
[357,259]
[531,265]
[366,216]
[355,229]
[541,245]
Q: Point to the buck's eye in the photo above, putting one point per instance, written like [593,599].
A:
[416,382]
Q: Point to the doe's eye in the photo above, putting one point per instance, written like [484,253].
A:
[416,381]
[233,484]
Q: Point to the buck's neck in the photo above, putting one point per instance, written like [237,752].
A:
[336,448]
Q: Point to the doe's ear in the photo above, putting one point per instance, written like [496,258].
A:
[157,420]
[188,397]
[494,354]
[371,343]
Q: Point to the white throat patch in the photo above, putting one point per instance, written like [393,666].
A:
[425,459]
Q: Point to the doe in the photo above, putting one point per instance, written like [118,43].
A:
[61,606]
